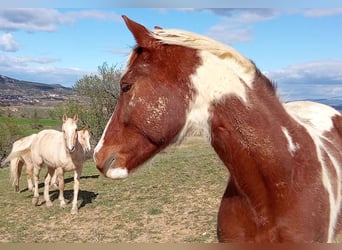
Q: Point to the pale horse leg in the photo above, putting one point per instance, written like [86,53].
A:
[60,176]
[36,170]
[29,168]
[47,185]
[77,177]
[19,165]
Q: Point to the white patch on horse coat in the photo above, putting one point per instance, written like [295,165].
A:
[117,173]
[292,147]
[214,79]
[317,119]
[224,72]
[316,115]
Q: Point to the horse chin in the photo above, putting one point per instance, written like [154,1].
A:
[117,173]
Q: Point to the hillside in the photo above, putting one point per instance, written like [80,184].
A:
[18,92]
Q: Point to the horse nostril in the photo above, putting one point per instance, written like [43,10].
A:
[109,162]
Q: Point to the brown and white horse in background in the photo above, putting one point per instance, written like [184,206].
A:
[20,156]
[60,152]
[284,160]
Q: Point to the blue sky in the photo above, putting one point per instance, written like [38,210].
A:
[298,48]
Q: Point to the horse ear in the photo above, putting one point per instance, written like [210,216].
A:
[141,35]
[65,117]
[76,117]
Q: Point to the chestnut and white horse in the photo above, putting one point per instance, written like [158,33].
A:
[284,160]
[20,156]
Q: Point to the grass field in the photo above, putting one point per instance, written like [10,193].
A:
[27,125]
[173,198]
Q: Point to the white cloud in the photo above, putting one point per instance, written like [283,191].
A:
[322,12]
[7,43]
[311,80]
[317,72]
[40,69]
[236,25]
[47,19]
[21,61]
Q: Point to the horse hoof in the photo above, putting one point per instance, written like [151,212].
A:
[35,201]
[74,211]
[63,205]
[48,203]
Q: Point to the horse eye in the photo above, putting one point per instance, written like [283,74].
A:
[125,87]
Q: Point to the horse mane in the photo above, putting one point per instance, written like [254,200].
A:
[199,42]
[223,51]
[269,84]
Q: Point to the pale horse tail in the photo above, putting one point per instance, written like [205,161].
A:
[19,148]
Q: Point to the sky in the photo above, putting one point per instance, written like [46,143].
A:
[299,48]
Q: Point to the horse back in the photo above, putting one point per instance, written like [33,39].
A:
[49,148]
[324,126]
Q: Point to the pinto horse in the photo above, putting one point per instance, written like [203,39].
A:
[284,160]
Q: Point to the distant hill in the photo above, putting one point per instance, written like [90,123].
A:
[18,92]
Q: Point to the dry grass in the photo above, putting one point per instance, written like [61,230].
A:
[173,198]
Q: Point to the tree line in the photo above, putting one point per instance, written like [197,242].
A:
[96,99]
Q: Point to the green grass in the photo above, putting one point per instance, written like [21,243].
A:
[173,198]
[27,124]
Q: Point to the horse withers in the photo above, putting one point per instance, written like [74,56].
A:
[284,165]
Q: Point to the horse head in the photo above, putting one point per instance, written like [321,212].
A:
[84,139]
[151,110]
[69,130]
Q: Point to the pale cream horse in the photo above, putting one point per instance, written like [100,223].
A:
[60,152]
[21,155]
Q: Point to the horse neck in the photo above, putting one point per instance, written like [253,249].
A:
[244,135]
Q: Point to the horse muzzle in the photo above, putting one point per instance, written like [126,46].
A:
[109,171]
[71,150]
